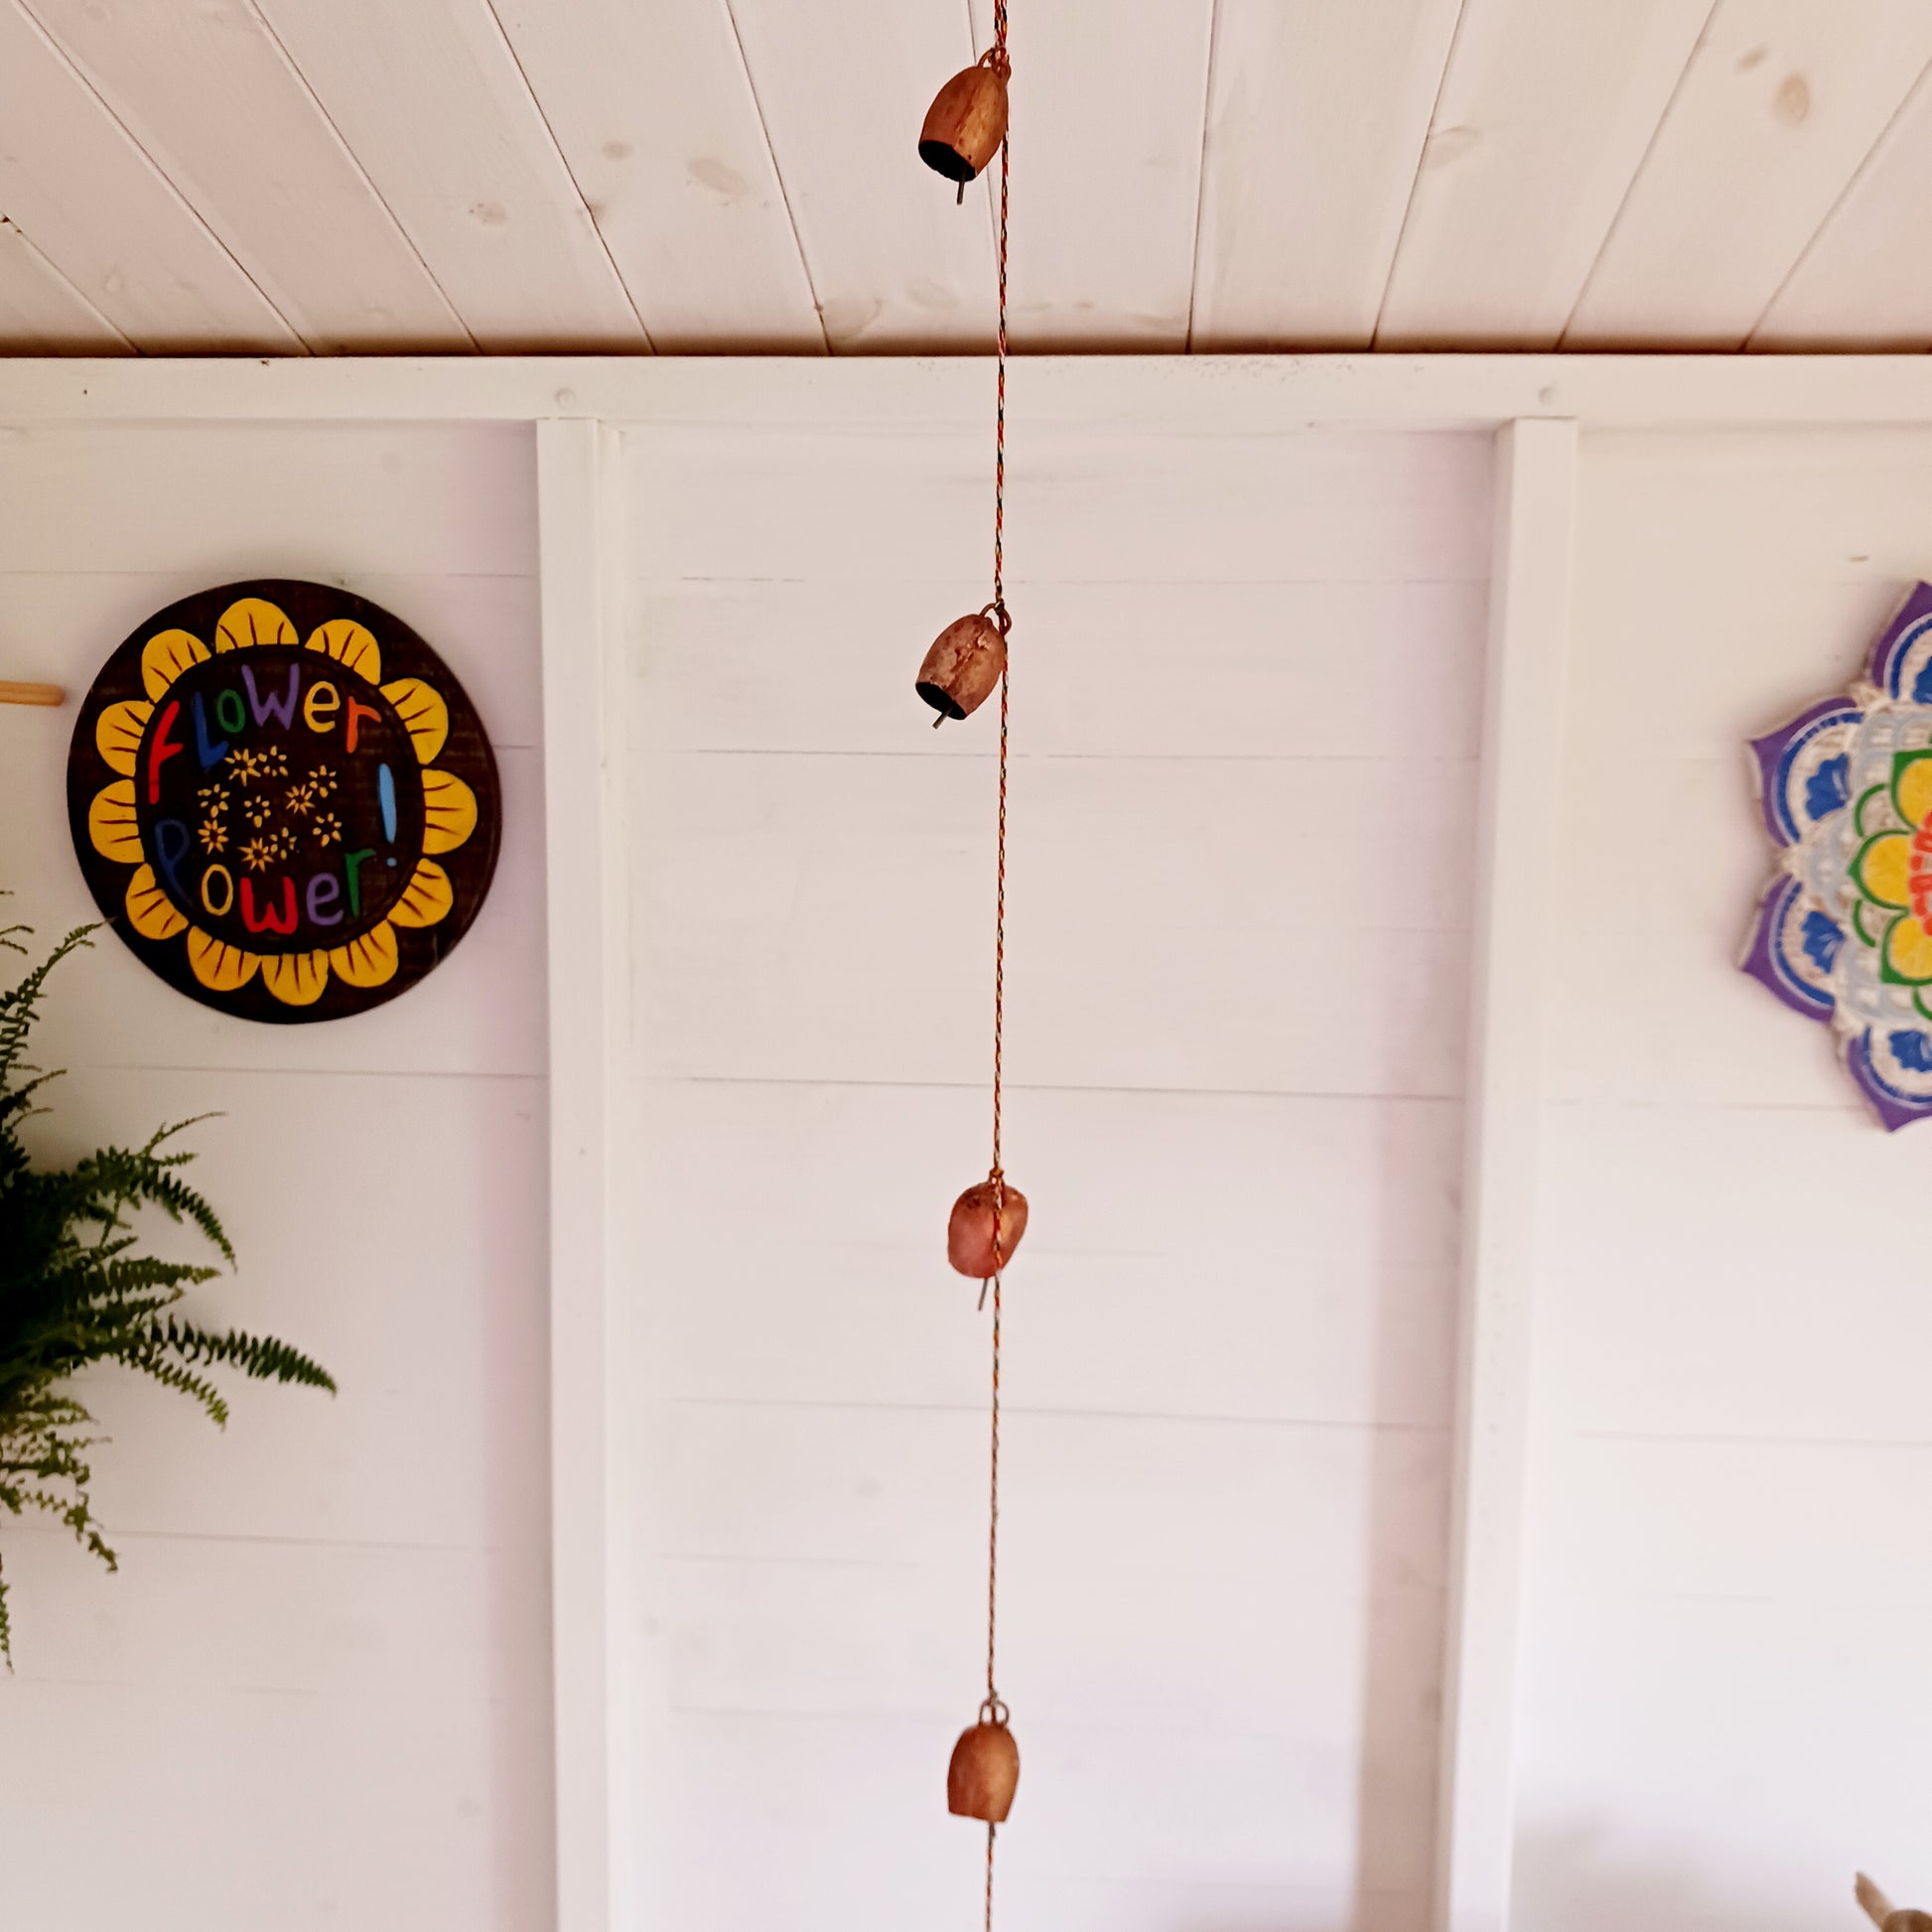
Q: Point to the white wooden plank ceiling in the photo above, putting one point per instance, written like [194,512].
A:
[361,176]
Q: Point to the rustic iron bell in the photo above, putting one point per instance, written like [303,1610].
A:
[985,1768]
[969,1234]
[962,669]
[967,121]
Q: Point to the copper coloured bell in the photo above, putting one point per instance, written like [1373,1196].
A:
[962,669]
[970,1243]
[967,121]
[985,1768]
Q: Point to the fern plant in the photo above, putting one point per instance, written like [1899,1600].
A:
[75,1289]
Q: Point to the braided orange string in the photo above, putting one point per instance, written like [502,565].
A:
[997,1177]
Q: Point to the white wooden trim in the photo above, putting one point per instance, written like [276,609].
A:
[1529,591]
[1196,395]
[584,870]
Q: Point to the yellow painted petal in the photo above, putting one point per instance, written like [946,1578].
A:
[166,656]
[350,645]
[1911,786]
[1882,870]
[112,826]
[425,899]
[219,966]
[1907,954]
[150,911]
[296,978]
[423,715]
[118,735]
[252,621]
[449,811]
[369,960]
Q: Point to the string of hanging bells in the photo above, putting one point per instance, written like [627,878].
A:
[964,129]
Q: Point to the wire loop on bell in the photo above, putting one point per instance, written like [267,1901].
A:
[993,1708]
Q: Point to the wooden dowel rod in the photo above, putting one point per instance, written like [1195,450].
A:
[13,693]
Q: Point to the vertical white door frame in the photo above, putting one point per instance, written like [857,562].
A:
[1529,618]
[587,866]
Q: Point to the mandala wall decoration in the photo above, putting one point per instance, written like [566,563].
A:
[283,801]
[1843,931]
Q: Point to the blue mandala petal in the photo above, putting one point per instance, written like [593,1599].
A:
[1778,951]
[1912,1049]
[1829,787]
[1791,759]
[1821,936]
[1894,1105]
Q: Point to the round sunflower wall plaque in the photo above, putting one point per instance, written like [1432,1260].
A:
[283,801]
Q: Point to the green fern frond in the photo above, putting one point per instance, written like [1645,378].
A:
[75,1289]
[172,1375]
[260,1356]
[19,1003]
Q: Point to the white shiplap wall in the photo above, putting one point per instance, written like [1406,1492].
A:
[1246,696]
[317,1695]
[1230,1331]
[1726,1695]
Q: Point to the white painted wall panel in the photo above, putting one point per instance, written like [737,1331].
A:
[317,1693]
[1350,1332]
[1155,893]
[1241,863]
[1725,1678]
